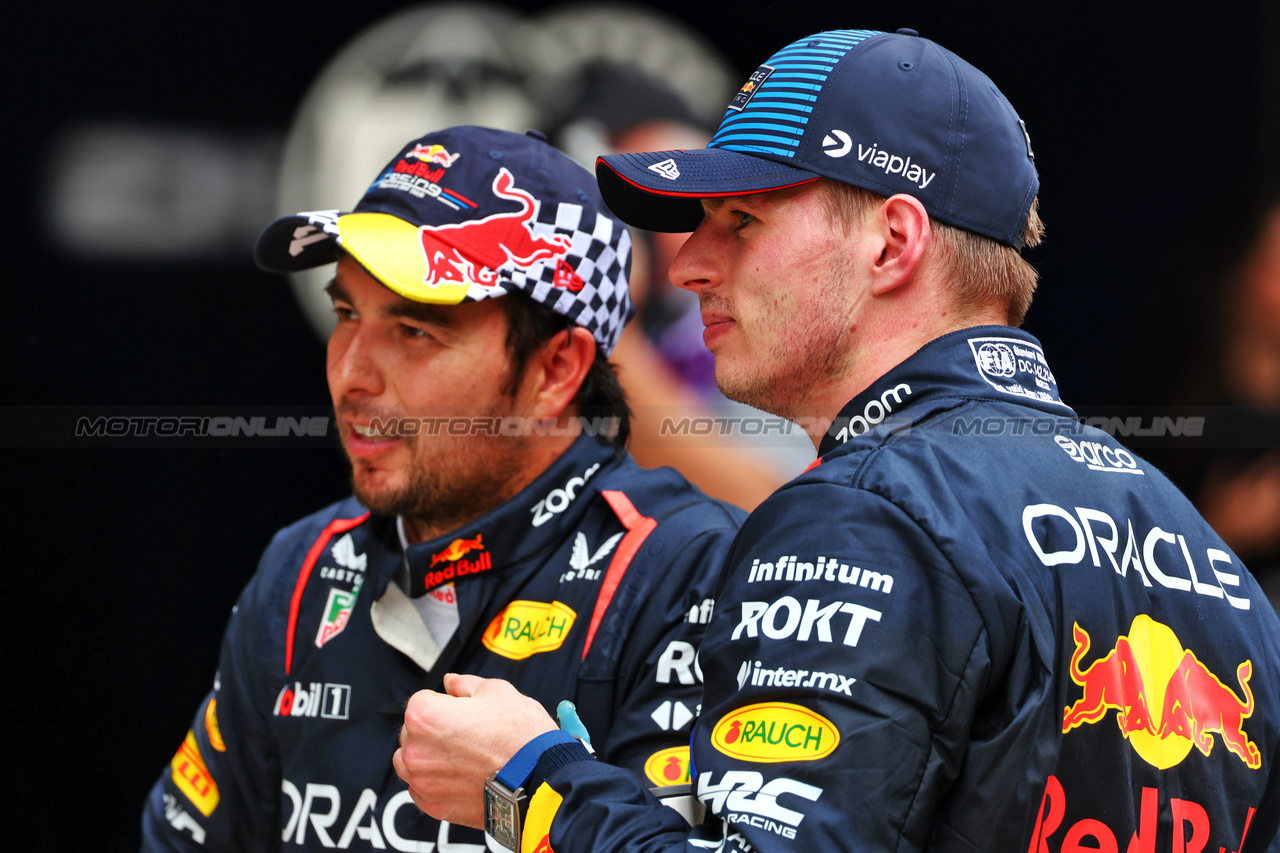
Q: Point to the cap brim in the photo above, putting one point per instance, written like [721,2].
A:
[295,243]
[662,190]
[389,248]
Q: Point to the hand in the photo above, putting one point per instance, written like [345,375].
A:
[451,742]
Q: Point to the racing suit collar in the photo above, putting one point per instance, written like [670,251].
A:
[537,518]
[983,362]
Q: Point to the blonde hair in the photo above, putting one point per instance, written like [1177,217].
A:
[981,271]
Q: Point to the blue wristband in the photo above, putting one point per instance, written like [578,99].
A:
[518,770]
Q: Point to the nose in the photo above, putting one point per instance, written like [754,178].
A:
[695,266]
[352,363]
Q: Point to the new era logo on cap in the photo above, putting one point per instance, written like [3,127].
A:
[667,169]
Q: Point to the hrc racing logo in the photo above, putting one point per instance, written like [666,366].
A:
[1167,700]
[192,776]
[668,766]
[770,732]
[455,565]
[742,797]
[526,628]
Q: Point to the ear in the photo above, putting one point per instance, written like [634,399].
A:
[557,369]
[905,231]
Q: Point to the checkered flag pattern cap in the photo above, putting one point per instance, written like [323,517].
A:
[472,213]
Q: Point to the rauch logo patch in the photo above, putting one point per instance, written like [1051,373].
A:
[668,766]
[526,628]
[775,731]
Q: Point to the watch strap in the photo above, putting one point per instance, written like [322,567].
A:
[516,772]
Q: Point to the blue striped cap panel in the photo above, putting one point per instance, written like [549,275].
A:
[771,111]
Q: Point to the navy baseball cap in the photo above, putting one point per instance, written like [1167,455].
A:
[888,112]
[470,213]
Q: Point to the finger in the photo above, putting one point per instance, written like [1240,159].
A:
[397,761]
[460,685]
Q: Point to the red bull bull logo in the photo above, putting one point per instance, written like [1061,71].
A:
[1166,700]
[434,154]
[457,549]
[474,252]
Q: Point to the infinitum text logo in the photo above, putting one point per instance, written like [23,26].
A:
[526,628]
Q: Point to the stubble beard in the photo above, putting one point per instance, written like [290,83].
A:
[807,355]
[456,486]
[448,483]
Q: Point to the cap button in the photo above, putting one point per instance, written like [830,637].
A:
[906,31]
[536,134]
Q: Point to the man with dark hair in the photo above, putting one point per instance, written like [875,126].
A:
[973,623]
[498,526]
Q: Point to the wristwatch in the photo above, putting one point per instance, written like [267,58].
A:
[504,812]
[505,800]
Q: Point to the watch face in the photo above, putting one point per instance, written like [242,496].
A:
[501,819]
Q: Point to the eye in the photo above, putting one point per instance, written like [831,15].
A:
[413,331]
[344,312]
[744,219]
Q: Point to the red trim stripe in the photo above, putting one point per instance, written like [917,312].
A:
[814,464]
[638,529]
[338,525]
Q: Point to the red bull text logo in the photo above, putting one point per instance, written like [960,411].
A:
[455,566]
[1166,700]
[474,252]
[1091,834]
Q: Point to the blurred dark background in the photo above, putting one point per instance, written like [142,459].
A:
[1142,116]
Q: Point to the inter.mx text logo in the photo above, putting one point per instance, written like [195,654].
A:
[331,701]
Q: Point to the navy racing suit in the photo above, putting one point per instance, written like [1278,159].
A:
[593,584]
[974,624]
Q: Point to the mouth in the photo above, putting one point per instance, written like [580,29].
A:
[717,326]
[364,440]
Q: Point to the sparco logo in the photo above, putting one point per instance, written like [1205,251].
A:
[873,412]
[1098,456]
[557,500]
[747,798]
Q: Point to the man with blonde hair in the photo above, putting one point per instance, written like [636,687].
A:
[973,624]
